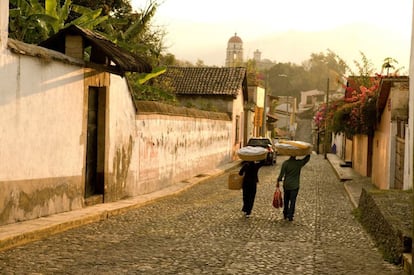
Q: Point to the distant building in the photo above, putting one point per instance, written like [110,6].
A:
[234,56]
[311,99]
[257,56]
[261,64]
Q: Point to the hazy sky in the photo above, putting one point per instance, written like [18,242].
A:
[286,31]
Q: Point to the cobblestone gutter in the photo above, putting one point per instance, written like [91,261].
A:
[386,215]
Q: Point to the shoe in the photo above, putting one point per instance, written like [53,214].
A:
[247,216]
[290,219]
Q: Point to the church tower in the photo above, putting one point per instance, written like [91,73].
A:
[257,56]
[234,56]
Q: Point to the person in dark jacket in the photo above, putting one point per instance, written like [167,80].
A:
[290,175]
[250,171]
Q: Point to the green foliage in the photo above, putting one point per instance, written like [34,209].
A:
[28,22]
[356,113]
[32,22]
[153,90]
[108,7]
[288,79]
[133,32]
[340,121]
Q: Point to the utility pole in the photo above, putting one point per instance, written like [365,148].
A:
[325,143]
[287,114]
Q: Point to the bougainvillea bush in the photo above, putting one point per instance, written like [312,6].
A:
[356,112]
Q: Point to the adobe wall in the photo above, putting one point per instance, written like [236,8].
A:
[382,164]
[41,148]
[360,154]
[173,143]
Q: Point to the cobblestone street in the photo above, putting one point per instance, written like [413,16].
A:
[202,231]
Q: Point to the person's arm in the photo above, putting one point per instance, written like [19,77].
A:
[261,163]
[305,160]
[281,175]
[241,172]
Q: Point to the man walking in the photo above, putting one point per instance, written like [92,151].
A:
[290,175]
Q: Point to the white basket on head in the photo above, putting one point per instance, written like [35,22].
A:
[293,148]
[251,153]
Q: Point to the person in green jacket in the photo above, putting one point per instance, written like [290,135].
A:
[290,175]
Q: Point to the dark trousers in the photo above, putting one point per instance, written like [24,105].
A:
[289,202]
[249,193]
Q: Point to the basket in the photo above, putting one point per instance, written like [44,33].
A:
[235,181]
[294,148]
[250,153]
[252,157]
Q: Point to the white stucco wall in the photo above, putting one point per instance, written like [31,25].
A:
[41,107]
[238,125]
[41,140]
[260,97]
[121,130]
[409,159]
[4,19]
[169,149]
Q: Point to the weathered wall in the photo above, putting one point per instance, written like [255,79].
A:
[360,154]
[237,125]
[4,18]
[385,215]
[409,137]
[381,163]
[43,126]
[171,148]
[339,141]
[226,104]
[348,150]
[41,141]
[120,141]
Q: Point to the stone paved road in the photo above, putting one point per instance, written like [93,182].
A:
[202,231]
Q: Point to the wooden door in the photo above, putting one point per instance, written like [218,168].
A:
[95,147]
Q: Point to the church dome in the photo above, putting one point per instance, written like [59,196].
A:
[235,39]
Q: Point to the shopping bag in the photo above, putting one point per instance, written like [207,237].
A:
[277,198]
[235,181]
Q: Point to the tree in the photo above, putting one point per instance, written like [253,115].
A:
[134,32]
[325,66]
[389,64]
[27,21]
[356,112]
[288,79]
[116,8]
[155,91]
[33,22]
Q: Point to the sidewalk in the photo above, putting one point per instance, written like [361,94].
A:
[353,182]
[17,234]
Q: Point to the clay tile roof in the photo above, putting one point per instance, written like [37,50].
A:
[124,60]
[207,80]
